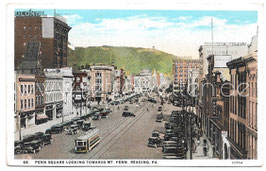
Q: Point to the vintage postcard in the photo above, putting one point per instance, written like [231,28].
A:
[134,85]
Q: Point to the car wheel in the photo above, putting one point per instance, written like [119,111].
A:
[18,151]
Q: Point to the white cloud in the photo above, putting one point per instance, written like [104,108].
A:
[179,38]
[71,19]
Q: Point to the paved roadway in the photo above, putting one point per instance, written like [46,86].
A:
[121,138]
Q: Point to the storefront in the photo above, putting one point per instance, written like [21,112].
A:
[59,110]
[40,117]
[49,112]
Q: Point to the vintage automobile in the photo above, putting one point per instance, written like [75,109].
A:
[47,139]
[79,123]
[31,147]
[126,114]
[18,146]
[86,126]
[154,142]
[155,134]
[104,113]
[168,144]
[73,129]
[56,129]
[159,117]
[96,116]
[126,108]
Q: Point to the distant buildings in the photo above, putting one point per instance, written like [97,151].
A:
[101,82]
[234,49]
[180,68]
[143,82]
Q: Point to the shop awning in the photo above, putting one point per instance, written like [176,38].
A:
[41,116]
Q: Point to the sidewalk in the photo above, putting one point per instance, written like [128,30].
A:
[199,154]
[42,127]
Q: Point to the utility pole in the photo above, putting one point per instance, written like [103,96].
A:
[212,34]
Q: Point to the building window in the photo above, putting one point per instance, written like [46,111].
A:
[21,103]
[25,104]
[32,101]
[21,89]
[29,104]
[32,90]
[29,92]
[25,88]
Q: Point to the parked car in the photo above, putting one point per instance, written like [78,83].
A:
[159,118]
[18,146]
[79,123]
[73,129]
[154,142]
[96,116]
[86,126]
[155,134]
[126,114]
[31,147]
[56,129]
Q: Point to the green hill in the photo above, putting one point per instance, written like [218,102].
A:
[133,60]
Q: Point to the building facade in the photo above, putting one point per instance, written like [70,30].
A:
[143,82]
[180,69]
[25,101]
[53,93]
[51,32]
[101,82]
[233,49]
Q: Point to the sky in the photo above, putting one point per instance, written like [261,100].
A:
[173,31]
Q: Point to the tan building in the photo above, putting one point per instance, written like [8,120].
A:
[243,105]
[101,81]
[180,68]
[25,101]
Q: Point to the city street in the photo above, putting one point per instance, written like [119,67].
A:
[121,137]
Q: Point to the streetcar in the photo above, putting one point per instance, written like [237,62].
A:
[87,141]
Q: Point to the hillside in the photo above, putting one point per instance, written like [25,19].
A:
[133,60]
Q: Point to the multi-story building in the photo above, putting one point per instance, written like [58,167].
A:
[51,32]
[101,82]
[180,68]
[53,93]
[233,49]
[25,101]
[243,105]
[80,92]
[143,82]
[67,90]
[212,100]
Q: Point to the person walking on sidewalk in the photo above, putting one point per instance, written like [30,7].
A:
[205,147]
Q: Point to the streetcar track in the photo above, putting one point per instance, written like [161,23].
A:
[118,135]
[78,156]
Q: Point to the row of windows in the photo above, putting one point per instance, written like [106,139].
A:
[252,115]
[238,133]
[53,97]
[26,103]
[35,27]
[35,36]
[26,89]
[39,100]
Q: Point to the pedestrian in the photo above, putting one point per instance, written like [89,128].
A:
[118,108]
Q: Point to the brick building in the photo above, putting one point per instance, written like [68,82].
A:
[51,32]
[180,68]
